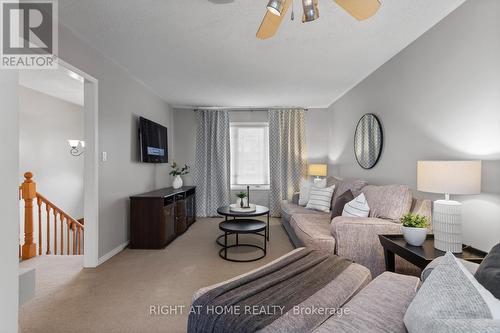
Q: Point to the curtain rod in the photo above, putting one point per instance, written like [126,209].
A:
[247,109]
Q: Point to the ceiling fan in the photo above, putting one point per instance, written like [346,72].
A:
[276,10]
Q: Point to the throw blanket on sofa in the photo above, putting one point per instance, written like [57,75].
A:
[256,300]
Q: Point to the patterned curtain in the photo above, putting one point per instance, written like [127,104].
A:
[287,155]
[212,174]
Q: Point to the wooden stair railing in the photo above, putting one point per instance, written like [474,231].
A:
[74,240]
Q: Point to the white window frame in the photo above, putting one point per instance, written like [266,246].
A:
[250,124]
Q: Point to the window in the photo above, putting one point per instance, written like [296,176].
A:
[249,154]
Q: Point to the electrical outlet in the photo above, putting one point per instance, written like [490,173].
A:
[104,156]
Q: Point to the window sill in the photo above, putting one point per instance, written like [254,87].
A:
[252,187]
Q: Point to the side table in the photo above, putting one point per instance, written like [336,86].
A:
[421,256]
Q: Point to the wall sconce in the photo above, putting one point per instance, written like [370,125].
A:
[74,147]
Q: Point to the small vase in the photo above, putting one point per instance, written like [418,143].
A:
[177,183]
[242,202]
[415,236]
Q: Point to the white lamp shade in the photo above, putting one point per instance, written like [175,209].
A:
[73,143]
[317,170]
[449,177]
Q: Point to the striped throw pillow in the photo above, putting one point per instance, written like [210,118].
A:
[305,189]
[320,198]
[357,207]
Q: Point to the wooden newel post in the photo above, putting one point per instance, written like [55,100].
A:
[28,191]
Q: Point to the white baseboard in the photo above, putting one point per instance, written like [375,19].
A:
[112,253]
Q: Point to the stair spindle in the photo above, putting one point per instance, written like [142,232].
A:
[79,241]
[47,207]
[67,237]
[55,231]
[74,240]
[39,204]
[62,234]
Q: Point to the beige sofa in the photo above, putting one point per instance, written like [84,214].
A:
[355,238]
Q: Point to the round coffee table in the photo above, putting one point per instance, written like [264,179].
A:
[259,211]
[242,226]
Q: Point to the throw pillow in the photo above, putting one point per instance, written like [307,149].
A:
[305,189]
[320,198]
[451,300]
[357,207]
[342,200]
[388,202]
[355,185]
[330,181]
[488,273]
[426,272]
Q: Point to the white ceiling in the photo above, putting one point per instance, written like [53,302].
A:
[59,83]
[200,53]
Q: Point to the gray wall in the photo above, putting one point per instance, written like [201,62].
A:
[45,125]
[185,140]
[438,99]
[9,145]
[317,129]
[121,100]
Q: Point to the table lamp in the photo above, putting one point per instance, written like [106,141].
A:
[448,177]
[317,170]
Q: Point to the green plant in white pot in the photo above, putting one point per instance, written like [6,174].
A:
[241,199]
[177,173]
[414,229]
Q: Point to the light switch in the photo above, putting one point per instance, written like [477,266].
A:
[104,156]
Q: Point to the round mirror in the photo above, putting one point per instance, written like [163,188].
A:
[368,141]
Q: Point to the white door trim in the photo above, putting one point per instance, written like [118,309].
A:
[91,169]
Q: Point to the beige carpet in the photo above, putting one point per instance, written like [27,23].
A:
[116,297]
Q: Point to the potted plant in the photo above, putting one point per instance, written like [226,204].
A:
[241,198]
[177,173]
[414,229]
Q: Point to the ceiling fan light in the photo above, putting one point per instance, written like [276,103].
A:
[311,11]
[275,7]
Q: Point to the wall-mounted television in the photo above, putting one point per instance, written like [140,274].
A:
[153,142]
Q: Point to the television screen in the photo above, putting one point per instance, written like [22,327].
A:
[153,142]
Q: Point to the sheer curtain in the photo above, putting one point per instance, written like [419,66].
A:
[287,155]
[212,174]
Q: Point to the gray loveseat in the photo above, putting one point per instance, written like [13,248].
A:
[373,306]
[355,238]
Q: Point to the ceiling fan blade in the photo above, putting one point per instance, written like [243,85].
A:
[360,9]
[271,22]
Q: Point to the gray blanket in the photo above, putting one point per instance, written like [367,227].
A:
[256,300]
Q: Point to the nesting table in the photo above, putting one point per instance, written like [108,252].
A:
[242,223]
